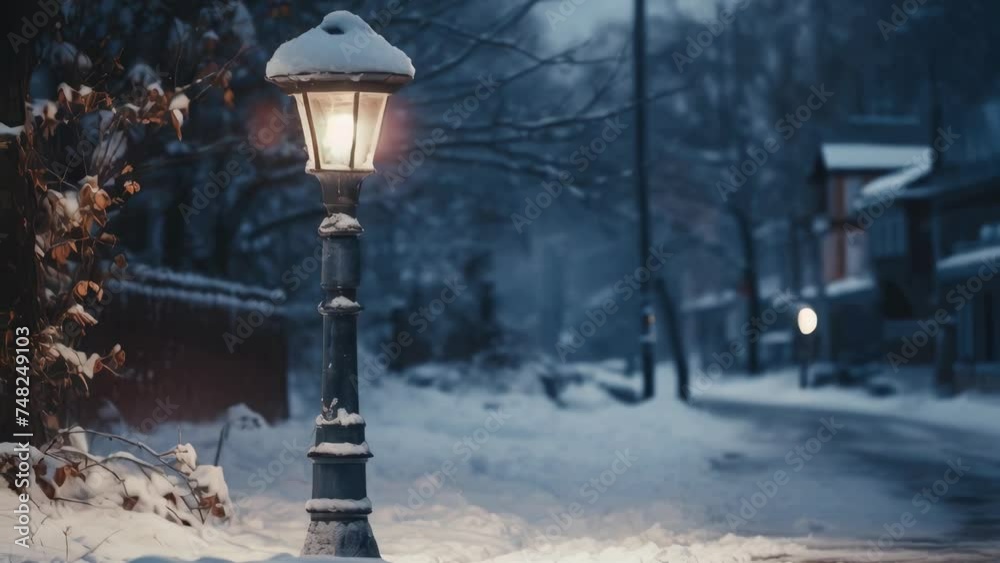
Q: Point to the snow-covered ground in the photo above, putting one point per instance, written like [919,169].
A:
[470,476]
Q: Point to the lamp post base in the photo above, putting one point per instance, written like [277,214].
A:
[341,538]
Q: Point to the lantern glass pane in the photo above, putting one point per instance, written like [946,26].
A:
[306,131]
[371,108]
[333,117]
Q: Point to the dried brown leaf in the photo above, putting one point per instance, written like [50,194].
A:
[81,288]
[101,199]
[61,253]
[68,471]
[118,358]
[86,194]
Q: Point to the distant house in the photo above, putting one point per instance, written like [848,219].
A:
[934,239]
[820,253]
[853,154]
[965,208]
[898,232]
[901,228]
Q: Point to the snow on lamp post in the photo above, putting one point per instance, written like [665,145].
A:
[341,74]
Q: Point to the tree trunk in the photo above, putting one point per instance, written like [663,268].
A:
[751,287]
[19,305]
[553,293]
[676,335]
[647,334]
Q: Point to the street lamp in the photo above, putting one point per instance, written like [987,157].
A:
[806,321]
[341,74]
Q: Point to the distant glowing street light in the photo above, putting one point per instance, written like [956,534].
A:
[341,74]
[807,320]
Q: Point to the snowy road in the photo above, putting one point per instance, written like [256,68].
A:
[878,479]
[473,476]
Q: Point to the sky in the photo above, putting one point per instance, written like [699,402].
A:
[583,17]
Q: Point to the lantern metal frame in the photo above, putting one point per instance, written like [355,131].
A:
[322,83]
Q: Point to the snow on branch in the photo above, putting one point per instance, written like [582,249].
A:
[173,485]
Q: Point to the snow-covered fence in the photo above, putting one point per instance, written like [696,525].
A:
[172,325]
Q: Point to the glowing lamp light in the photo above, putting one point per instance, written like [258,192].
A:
[807,320]
[341,128]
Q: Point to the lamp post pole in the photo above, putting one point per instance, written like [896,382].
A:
[339,507]
[805,358]
[806,323]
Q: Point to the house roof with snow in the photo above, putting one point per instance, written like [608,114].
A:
[892,185]
[845,157]
[968,263]
[872,143]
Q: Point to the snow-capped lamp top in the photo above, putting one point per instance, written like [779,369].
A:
[342,50]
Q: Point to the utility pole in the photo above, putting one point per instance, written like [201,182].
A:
[647,321]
